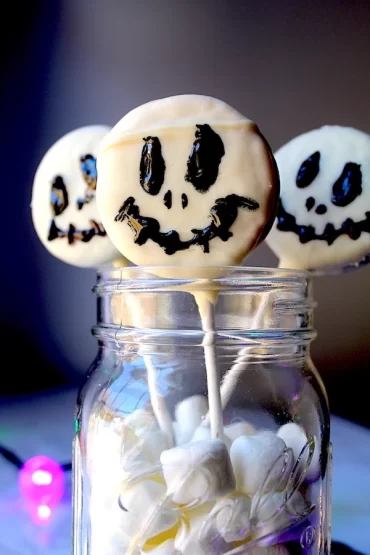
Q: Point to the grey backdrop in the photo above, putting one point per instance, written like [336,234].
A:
[289,65]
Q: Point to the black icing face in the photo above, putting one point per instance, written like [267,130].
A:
[201,171]
[341,194]
[60,201]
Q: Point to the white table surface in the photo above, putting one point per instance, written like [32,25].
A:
[44,425]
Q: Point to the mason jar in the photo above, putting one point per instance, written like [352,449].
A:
[203,426]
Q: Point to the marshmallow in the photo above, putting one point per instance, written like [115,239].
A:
[64,210]
[204,432]
[105,443]
[107,535]
[232,518]
[273,550]
[237,429]
[186,181]
[323,217]
[256,457]
[195,537]
[271,514]
[189,414]
[295,437]
[141,453]
[165,548]
[197,472]
[146,511]
[140,421]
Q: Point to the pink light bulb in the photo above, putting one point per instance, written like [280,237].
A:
[42,481]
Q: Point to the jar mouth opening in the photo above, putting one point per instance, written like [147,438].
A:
[202,272]
[207,277]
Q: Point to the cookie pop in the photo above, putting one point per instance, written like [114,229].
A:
[324,211]
[64,210]
[323,220]
[187,183]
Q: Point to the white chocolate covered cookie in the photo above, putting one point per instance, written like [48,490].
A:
[324,212]
[186,181]
[64,210]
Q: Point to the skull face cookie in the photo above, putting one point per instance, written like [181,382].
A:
[64,210]
[324,212]
[186,181]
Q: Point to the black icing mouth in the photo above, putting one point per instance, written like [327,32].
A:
[307,233]
[223,214]
[73,234]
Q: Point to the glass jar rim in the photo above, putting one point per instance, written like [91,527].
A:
[208,277]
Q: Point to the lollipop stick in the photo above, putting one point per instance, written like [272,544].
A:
[158,402]
[159,405]
[207,314]
[231,378]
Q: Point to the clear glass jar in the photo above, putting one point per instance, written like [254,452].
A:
[158,467]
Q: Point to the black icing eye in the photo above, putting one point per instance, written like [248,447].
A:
[308,171]
[348,185]
[89,172]
[59,196]
[152,166]
[205,158]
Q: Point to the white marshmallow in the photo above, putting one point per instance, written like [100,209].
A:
[271,514]
[143,442]
[64,210]
[254,458]
[203,432]
[165,548]
[273,550]
[107,535]
[148,511]
[189,414]
[232,518]
[198,471]
[295,437]
[237,429]
[194,538]
[141,453]
[141,421]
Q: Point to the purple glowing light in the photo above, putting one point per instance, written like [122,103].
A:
[42,481]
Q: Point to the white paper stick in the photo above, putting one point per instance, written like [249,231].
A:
[207,310]
[231,378]
[158,402]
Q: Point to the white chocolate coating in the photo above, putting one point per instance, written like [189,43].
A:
[245,169]
[64,210]
[343,152]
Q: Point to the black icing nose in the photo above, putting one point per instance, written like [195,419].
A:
[321,209]
[167,199]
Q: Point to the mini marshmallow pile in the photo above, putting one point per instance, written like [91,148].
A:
[201,495]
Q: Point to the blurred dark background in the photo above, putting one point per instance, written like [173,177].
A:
[290,65]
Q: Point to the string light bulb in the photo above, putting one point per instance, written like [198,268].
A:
[42,481]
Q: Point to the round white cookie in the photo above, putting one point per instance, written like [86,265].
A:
[186,181]
[324,213]
[64,210]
